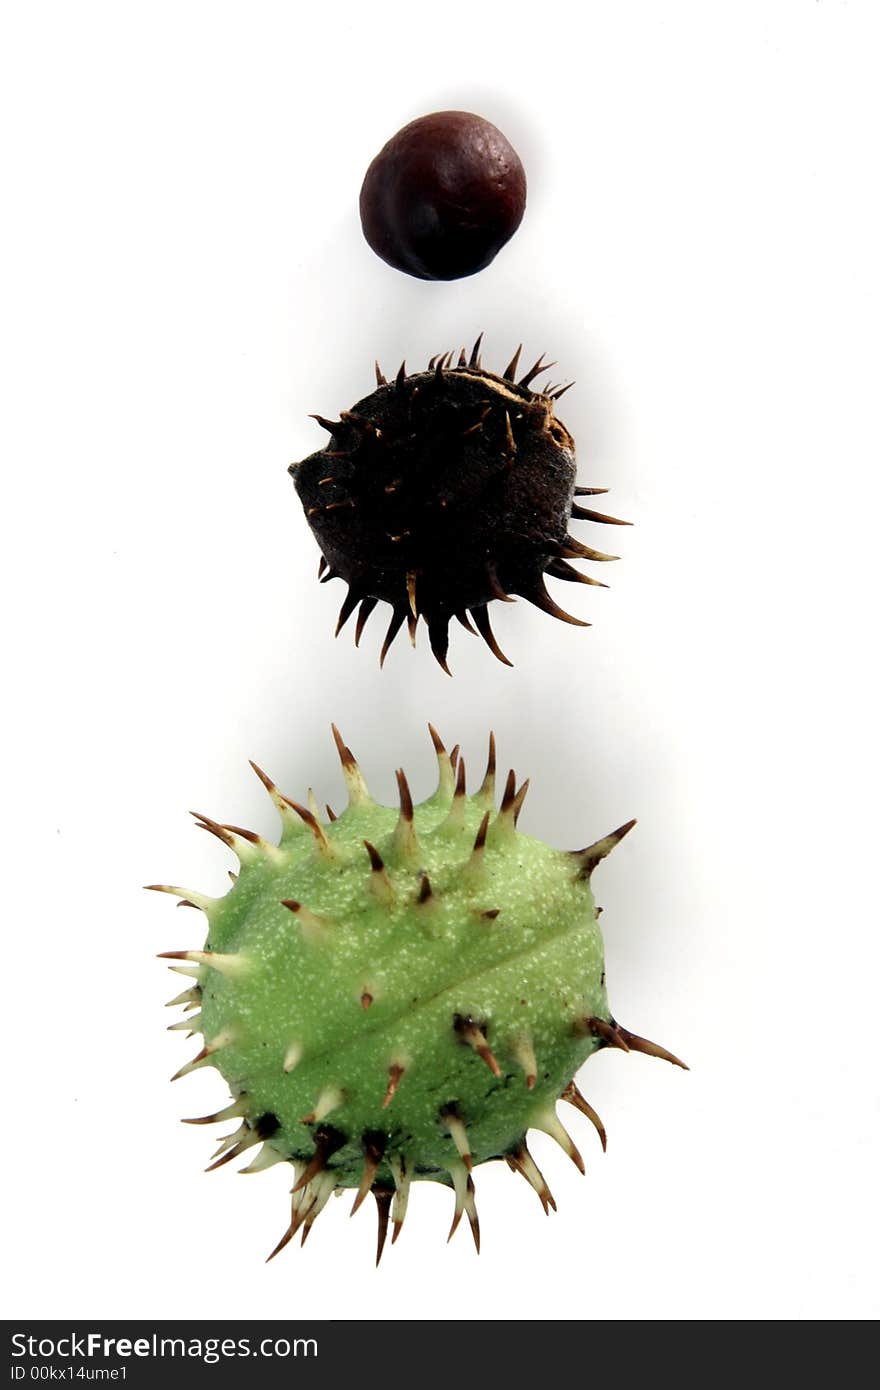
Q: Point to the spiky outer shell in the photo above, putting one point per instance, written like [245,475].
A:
[442,491]
[400,994]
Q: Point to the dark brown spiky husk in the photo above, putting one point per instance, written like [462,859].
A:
[443,490]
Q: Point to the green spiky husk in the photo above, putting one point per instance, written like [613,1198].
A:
[400,993]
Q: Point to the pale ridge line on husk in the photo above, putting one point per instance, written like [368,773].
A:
[375,1028]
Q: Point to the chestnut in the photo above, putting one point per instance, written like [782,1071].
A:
[443,196]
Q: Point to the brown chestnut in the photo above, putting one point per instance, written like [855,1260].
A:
[443,196]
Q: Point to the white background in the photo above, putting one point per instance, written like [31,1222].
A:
[184,280]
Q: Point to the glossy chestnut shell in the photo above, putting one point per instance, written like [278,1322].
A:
[443,196]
